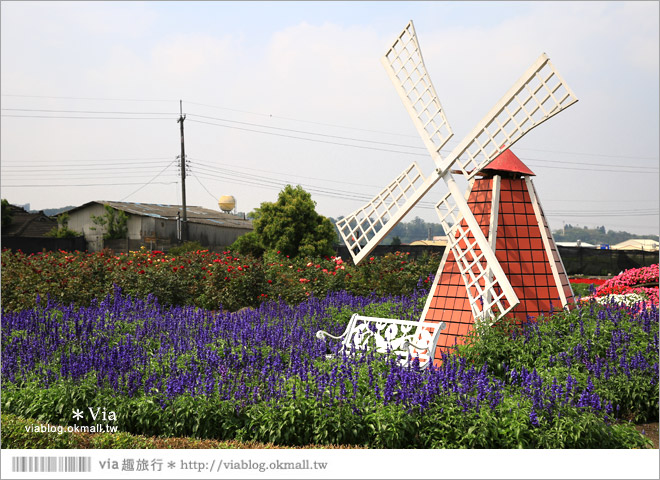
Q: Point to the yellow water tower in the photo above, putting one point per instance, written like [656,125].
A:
[227,203]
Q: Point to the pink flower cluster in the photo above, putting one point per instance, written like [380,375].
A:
[635,280]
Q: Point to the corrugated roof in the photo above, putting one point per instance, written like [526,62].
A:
[646,244]
[169,212]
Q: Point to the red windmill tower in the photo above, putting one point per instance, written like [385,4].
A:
[505,204]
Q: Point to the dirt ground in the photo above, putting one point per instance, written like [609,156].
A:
[650,430]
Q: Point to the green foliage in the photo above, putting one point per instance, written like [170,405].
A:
[548,345]
[595,236]
[291,225]
[62,229]
[185,247]
[17,433]
[295,420]
[238,286]
[582,289]
[416,229]
[7,216]
[113,221]
[396,241]
[248,244]
[201,278]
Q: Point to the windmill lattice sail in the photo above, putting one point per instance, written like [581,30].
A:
[539,94]
[405,66]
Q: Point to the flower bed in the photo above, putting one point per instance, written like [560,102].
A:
[588,281]
[642,282]
[262,375]
[209,280]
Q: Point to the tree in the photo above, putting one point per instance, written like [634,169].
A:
[7,217]
[292,226]
[248,244]
[62,229]
[115,223]
[396,241]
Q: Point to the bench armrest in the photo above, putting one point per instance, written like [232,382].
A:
[322,333]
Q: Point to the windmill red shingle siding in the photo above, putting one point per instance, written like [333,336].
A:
[521,252]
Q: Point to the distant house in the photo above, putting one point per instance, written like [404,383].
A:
[156,226]
[26,224]
[579,243]
[645,244]
[27,231]
[437,241]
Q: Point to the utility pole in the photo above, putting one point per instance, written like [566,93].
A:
[184,223]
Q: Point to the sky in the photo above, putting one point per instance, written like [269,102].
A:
[294,92]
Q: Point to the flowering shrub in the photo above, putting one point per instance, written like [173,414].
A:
[611,350]
[200,278]
[642,281]
[262,375]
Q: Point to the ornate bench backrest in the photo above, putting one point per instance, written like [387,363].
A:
[405,338]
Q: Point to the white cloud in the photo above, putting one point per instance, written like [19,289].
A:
[326,72]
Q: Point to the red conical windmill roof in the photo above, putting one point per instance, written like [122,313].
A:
[508,162]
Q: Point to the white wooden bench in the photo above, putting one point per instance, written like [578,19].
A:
[405,338]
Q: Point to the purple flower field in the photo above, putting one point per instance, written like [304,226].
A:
[261,374]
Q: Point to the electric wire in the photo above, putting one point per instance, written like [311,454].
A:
[80,185]
[342,182]
[203,186]
[60,170]
[88,98]
[308,139]
[305,132]
[302,121]
[53,163]
[527,159]
[85,111]
[154,178]
[69,117]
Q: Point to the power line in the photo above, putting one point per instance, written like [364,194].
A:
[154,178]
[114,160]
[302,121]
[80,185]
[88,98]
[309,139]
[68,117]
[55,169]
[203,186]
[599,215]
[588,154]
[267,182]
[592,170]
[405,146]
[307,133]
[84,111]
[199,162]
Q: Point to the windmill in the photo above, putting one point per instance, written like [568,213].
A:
[539,94]
[504,202]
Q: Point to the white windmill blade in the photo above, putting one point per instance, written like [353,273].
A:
[366,227]
[489,291]
[405,66]
[539,94]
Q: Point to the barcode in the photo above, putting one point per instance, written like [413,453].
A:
[51,464]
